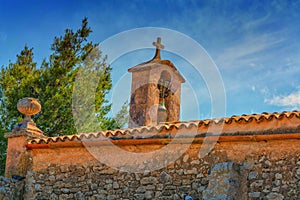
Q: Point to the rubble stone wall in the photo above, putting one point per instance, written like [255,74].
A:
[232,170]
[11,189]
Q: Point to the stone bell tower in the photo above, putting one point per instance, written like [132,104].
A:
[155,91]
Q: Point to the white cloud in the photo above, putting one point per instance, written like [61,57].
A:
[291,100]
[245,51]
[265,91]
[256,23]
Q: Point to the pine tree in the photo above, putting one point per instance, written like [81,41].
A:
[53,84]
[73,58]
[17,81]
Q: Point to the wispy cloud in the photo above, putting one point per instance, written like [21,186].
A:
[247,51]
[291,100]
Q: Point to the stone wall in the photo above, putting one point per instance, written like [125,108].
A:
[275,178]
[232,170]
[100,182]
[227,180]
[93,180]
[11,189]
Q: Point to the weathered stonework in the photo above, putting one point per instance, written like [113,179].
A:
[227,180]
[275,178]
[260,173]
[213,177]
[11,189]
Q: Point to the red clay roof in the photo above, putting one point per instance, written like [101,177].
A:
[265,123]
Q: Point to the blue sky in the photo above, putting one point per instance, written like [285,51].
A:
[254,44]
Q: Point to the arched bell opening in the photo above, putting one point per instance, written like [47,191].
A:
[163,85]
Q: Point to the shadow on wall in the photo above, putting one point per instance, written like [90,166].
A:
[11,188]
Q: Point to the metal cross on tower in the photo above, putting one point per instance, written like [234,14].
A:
[158,46]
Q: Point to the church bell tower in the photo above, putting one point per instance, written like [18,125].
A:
[155,91]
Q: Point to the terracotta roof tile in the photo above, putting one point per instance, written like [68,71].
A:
[285,122]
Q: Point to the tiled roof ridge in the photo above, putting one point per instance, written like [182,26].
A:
[139,132]
[262,116]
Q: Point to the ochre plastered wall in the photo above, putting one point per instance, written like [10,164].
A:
[17,159]
[236,151]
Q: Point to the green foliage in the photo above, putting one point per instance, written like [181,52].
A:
[17,81]
[122,117]
[73,58]
[93,82]
[53,84]
[58,76]
[3,147]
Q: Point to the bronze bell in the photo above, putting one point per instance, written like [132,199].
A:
[161,106]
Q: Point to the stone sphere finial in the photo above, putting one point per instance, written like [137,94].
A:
[29,106]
